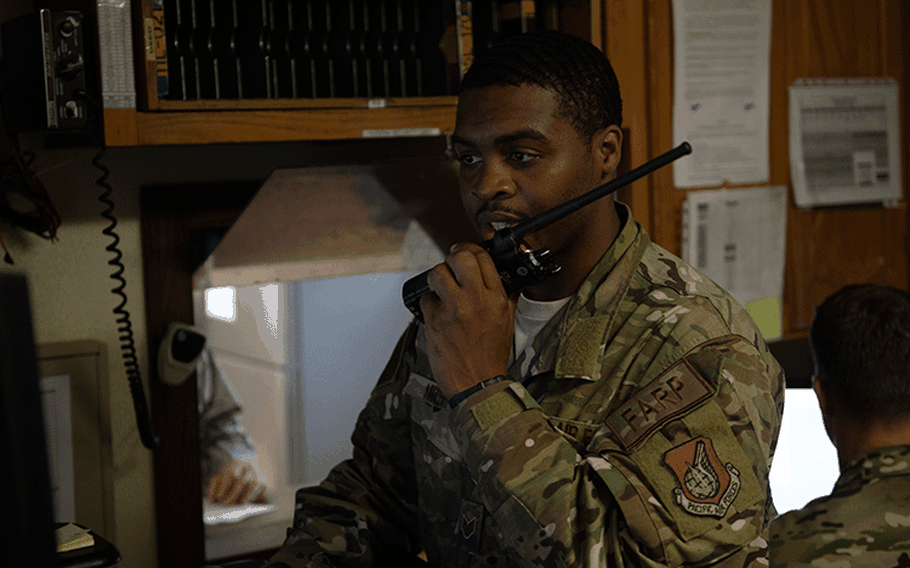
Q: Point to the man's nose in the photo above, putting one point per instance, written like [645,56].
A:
[494,182]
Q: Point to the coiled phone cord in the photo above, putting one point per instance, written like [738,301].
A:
[127,344]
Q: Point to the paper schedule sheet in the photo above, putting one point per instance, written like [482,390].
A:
[721,90]
[845,141]
[737,238]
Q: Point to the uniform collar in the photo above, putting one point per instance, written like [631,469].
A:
[571,343]
[880,462]
[591,297]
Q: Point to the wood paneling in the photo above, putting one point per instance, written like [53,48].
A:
[120,128]
[829,248]
[166,245]
[624,23]
[826,248]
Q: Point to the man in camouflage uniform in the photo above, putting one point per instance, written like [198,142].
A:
[861,343]
[621,413]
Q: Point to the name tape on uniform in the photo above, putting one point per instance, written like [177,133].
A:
[675,391]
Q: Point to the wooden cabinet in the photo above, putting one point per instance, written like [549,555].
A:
[828,247]
[212,100]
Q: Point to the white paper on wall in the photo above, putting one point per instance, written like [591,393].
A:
[844,141]
[737,238]
[721,90]
[58,429]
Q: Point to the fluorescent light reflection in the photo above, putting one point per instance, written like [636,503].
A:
[221,303]
[805,464]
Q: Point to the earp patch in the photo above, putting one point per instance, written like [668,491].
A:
[706,486]
[675,391]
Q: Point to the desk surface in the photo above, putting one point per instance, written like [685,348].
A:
[263,532]
[101,554]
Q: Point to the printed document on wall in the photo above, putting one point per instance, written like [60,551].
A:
[57,408]
[721,90]
[737,237]
[844,141]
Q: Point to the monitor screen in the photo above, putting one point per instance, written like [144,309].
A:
[805,463]
[27,537]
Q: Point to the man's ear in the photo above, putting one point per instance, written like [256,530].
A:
[819,385]
[608,147]
[819,389]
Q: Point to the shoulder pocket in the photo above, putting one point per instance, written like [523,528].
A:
[705,480]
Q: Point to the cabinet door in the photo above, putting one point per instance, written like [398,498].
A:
[826,248]
[281,70]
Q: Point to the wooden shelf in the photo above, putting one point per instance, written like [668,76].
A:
[303,104]
[165,122]
[284,123]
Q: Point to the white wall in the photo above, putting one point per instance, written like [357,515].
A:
[349,327]
[301,359]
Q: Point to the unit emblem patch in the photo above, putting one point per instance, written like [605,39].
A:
[706,486]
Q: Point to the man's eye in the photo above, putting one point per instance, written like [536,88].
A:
[522,157]
[468,159]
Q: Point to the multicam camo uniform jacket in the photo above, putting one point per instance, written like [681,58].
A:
[865,522]
[641,435]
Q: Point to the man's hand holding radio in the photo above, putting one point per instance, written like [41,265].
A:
[469,320]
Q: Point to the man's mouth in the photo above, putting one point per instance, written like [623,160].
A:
[489,228]
[491,221]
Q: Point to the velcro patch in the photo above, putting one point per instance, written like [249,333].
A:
[493,410]
[470,527]
[675,391]
[424,389]
[582,348]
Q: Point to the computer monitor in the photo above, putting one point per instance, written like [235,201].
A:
[805,463]
[27,536]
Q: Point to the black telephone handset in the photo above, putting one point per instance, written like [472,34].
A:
[518,265]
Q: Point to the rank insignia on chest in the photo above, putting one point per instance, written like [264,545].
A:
[706,486]
[469,527]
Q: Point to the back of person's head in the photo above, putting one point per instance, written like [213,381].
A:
[580,74]
[861,344]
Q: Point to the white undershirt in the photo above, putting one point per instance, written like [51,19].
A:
[530,317]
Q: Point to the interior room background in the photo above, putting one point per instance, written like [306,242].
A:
[69,279]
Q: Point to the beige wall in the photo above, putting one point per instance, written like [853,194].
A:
[70,286]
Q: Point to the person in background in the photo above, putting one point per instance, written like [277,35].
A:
[860,340]
[622,412]
[227,454]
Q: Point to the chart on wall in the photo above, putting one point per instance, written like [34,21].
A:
[845,141]
[737,237]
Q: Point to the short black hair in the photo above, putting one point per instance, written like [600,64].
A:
[580,74]
[860,340]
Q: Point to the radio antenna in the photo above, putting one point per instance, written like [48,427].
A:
[556,213]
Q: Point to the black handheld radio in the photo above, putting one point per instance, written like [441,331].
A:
[518,265]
